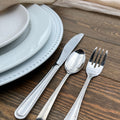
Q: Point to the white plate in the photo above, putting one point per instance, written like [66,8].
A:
[13,23]
[42,55]
[34,41]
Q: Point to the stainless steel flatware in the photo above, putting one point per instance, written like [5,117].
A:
[73,64]
[25,107]
[94,68]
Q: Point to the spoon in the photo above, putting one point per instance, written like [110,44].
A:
[73,64]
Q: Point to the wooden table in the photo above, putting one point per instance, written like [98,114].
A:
[102,99]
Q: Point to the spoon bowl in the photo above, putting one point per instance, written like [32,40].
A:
[75,62]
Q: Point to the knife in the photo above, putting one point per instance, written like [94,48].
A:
[25,107]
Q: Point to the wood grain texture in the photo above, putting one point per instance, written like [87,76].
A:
[102,99]
[95,25]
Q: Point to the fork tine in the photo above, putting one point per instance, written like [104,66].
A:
[100,56]
[97,55]
[104,58]
[92,56]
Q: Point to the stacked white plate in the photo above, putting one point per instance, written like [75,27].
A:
[28,37]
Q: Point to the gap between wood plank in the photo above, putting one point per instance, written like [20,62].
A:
[93,38]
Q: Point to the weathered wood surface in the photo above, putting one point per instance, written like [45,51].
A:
[102,99]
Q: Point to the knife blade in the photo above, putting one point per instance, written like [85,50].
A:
[69,47]
[25,107]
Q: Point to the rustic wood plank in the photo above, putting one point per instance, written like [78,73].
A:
[95,25]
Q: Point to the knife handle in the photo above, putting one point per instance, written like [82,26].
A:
[28,103]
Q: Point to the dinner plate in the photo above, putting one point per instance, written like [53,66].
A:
[41,56]
[40,28]
[13,22]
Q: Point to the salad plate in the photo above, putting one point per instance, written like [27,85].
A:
[42,55]
[25,47]
[13,22]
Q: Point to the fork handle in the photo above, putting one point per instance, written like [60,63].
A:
[25,107]
[74,111]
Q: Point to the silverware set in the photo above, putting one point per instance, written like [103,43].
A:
[74,63]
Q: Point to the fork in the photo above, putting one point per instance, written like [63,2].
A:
[94,68]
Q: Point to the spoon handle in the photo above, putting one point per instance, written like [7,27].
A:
[47,107]
[74,111]
[25,107]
